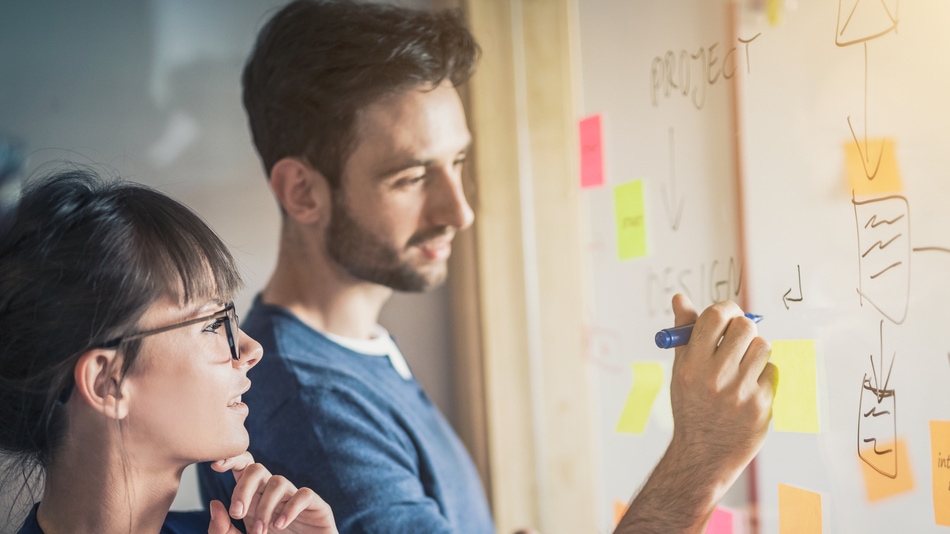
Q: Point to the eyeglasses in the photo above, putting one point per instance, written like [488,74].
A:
[230,326]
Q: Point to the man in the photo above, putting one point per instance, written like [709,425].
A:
[355,114]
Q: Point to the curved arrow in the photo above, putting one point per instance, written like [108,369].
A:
[785,298]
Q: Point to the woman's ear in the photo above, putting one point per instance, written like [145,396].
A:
[98,375]
[302,191]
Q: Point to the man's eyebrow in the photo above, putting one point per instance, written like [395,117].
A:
[409,164]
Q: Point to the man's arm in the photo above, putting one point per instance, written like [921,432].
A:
[721,394]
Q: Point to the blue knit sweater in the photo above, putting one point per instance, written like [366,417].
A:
[348,426]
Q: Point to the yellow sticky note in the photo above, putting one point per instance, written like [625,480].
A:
[795,408]
[647,380]
[631,220]
[880,486]
[620,508]
[871,166]
[799,511]
[773,11]
[940,451]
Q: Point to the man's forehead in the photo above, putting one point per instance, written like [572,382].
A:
[419,122]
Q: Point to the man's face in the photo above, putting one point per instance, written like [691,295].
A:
[400,200]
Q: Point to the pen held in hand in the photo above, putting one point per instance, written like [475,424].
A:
[679,335]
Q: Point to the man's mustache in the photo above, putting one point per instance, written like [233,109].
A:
[428,235]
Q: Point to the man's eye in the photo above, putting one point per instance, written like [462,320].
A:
[410,181]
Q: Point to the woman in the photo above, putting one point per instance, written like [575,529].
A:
[121,363]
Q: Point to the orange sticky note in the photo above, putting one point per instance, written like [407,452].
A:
[620,508]
[631,220]
[880,486]
[940,451]
[799,511]
[871,167]
[721,522]
[592,152]
[647,381]
[795,408]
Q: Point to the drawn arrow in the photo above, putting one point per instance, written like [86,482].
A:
[866,153]
[786,298]
[673,205]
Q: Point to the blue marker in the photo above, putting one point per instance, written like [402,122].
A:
[679,336]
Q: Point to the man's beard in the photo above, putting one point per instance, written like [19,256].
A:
[364,257]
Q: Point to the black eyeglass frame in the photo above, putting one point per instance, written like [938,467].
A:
[228,314]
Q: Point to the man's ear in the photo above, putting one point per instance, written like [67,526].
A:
[302,190]
[98,374]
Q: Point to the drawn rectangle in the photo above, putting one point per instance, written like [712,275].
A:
[883,228]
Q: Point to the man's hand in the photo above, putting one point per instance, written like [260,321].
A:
[721,391]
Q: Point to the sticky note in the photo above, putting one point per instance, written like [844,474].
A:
[940,453]
[799,511]
[721,522]
[647,380]
[879,486]
[871,167]
[631,220]
[795,408]
[773,11]
[620,508]
[592,152]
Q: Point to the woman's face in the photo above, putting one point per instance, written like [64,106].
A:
[185,388]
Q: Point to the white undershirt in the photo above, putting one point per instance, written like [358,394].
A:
[380,344]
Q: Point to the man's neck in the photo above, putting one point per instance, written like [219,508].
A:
[321,294]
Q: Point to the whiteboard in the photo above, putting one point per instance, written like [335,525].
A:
[891,83]
[660,75]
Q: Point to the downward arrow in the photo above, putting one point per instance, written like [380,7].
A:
[785,298]
[673,205]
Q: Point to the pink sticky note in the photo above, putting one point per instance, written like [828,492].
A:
[721,522]
[592,153]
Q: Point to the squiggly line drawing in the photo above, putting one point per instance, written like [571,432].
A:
[874,223]
[881,245]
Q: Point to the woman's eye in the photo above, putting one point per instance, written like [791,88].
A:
[218,323]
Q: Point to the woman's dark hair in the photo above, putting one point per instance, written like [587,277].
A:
[82,262]
[317,63]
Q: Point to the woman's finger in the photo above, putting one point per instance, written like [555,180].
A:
[250,482]
[318,511]
[277,490]
[220,522]
[235,463]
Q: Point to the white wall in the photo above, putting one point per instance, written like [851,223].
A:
[150,90]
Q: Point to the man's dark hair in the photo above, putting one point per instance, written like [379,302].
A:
[316,63]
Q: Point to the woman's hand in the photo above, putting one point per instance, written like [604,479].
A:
[265,501]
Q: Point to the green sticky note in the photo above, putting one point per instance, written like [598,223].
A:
[795,408]
[631,220]
[647,380]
